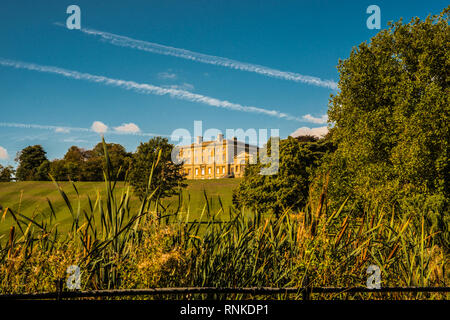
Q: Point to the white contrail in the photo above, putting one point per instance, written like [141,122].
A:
[64,129]
[42,127]
[147,88]
[123,41]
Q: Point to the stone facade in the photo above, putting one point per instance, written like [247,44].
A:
[221,158]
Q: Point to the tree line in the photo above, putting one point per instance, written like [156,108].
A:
[79,164]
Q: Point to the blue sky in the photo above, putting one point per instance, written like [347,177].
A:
[301,37]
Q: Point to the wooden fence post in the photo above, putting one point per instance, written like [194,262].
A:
[59,288]
[307,289]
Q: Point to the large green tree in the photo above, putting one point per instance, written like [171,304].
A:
[289,187]
[70,167]
[391,115]
[30,159]
[119,158]
[6,173]
[167,175]
[74,163]
[58,170]
[92,169]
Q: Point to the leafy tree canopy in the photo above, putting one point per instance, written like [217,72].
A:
[120,159]
[298,158]
[166,175]
[88,165]
[6,173]
[30,159]
[391,115]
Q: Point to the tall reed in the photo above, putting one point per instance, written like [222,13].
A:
[156,246]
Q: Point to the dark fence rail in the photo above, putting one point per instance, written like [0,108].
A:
[305,291]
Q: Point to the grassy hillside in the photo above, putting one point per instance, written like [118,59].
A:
[30,197]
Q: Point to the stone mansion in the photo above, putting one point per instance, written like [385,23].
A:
[221,158]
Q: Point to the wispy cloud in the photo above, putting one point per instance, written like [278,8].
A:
[75,140]
[167,75]
[3,154]
[99,127]
[62,130]
[42,127]
[305,131]
[33,137]
[183,86]
[321,120]
[152,47]
[128,128]
[145,88]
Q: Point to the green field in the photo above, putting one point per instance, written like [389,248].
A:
[30,198]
